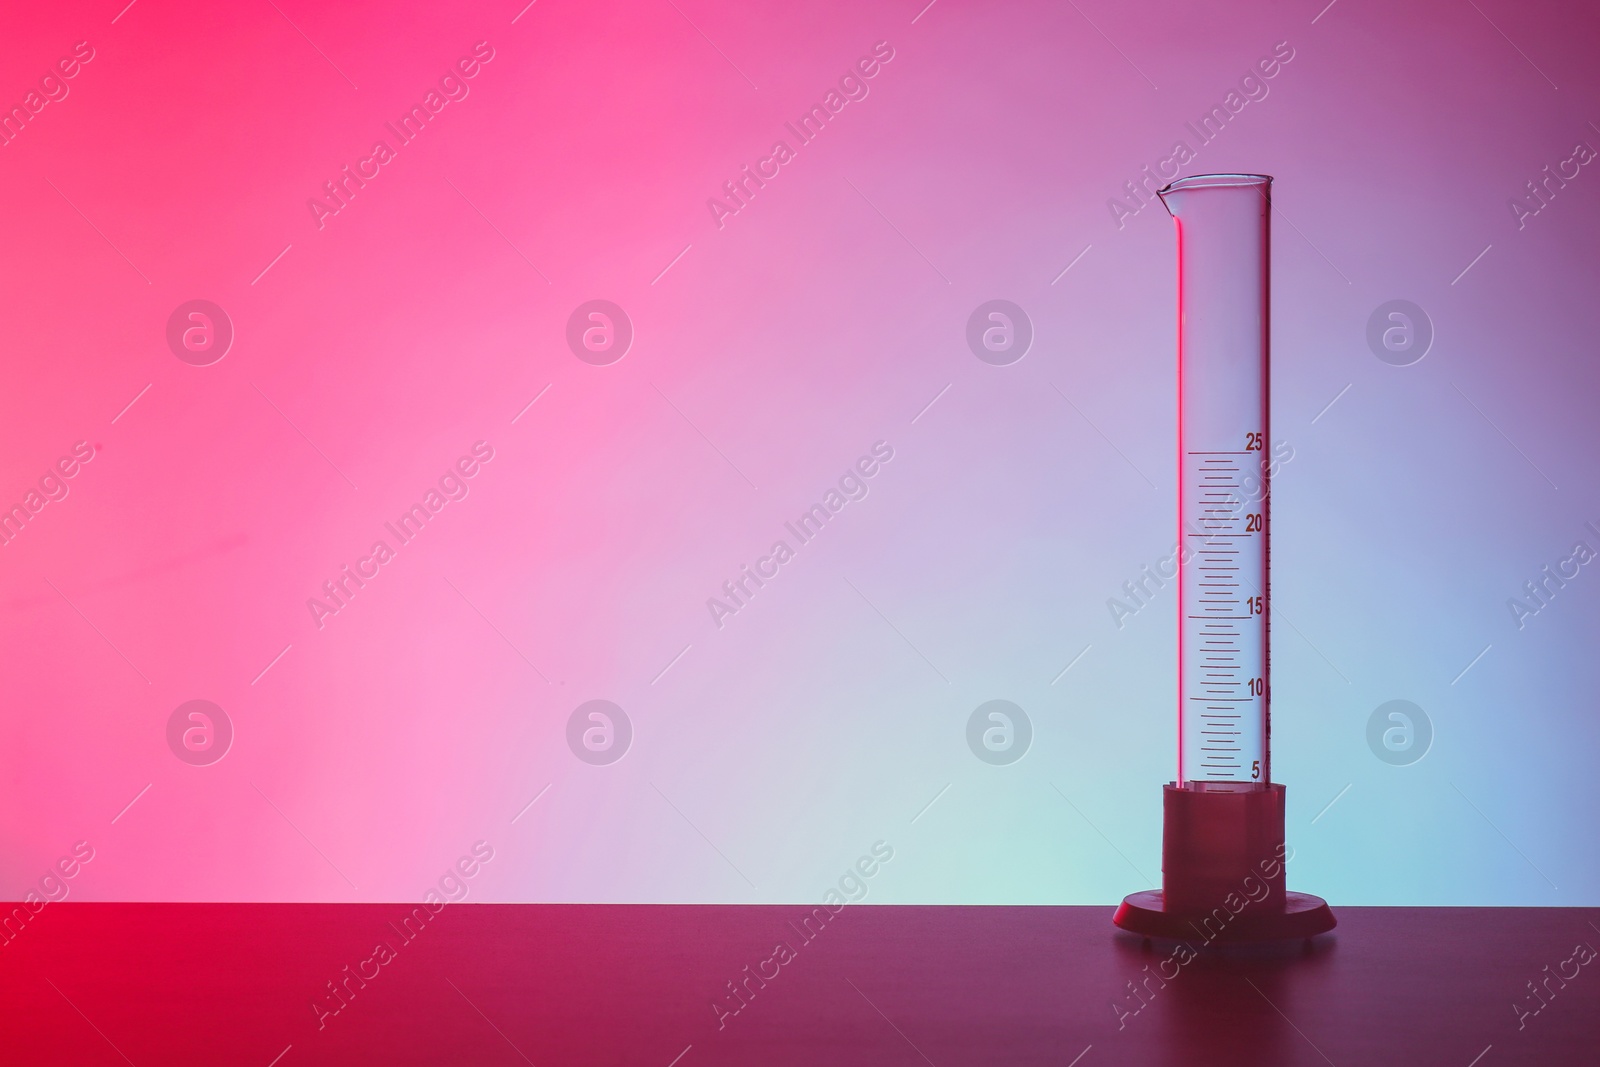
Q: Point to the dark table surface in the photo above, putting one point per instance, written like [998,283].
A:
[243,984]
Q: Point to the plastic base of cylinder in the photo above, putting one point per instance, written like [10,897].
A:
[1303,915]
[1222,871]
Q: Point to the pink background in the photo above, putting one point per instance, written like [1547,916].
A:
[767,357]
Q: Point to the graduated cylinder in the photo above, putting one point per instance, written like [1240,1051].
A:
[1224,714]
[1223,852]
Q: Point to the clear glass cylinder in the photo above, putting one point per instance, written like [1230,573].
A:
[1224,719]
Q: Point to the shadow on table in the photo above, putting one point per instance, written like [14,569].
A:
[1201,1004]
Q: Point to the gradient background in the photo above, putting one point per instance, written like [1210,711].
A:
[776,350]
